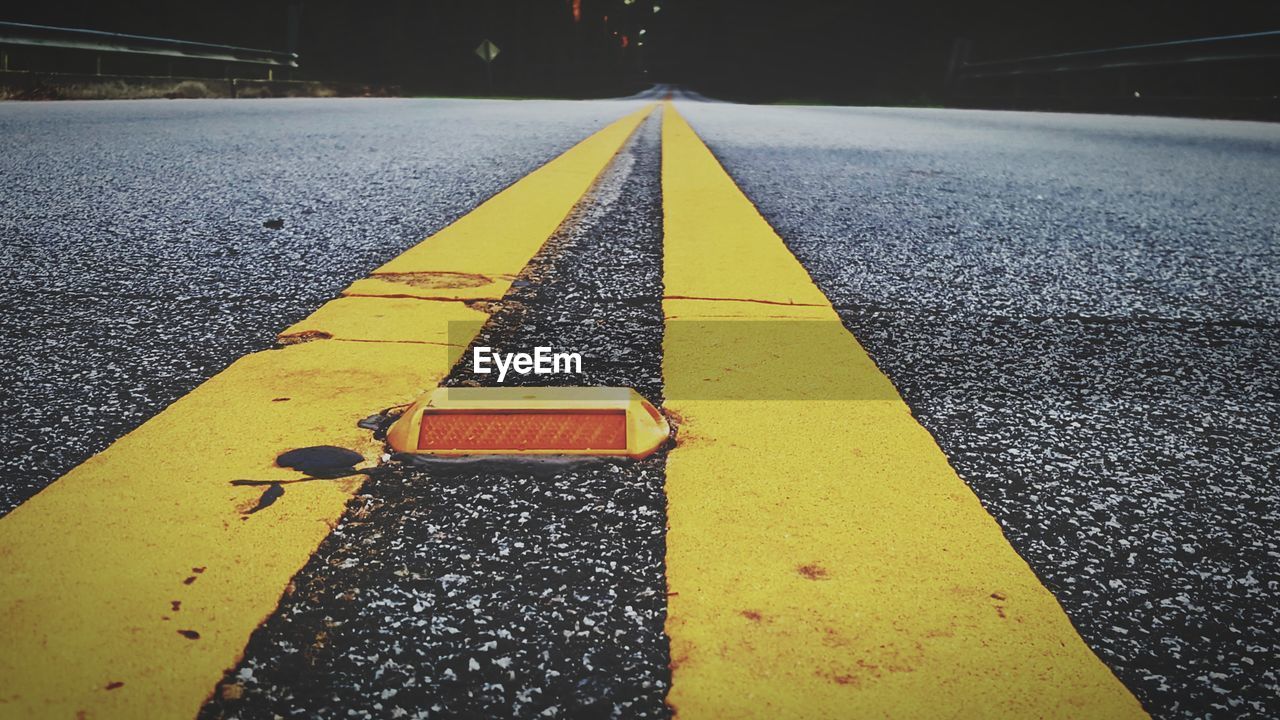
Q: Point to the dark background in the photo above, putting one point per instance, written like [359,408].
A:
[739,49]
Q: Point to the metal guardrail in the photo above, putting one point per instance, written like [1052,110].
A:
[1225,48]
[107,42]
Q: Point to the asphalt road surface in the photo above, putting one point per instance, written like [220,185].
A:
[545,586]
[1081,309]
[148,244]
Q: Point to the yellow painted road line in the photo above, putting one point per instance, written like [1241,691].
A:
[823,558]
[130,585]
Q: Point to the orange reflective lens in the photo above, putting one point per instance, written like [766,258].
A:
[521,431]
[530,421]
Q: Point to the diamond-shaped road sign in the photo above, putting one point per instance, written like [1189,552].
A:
[487,51]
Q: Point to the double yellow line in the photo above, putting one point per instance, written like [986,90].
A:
[823,558]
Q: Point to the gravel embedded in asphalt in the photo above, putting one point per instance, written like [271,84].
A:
[148,244]
[501,590]
[1083,311]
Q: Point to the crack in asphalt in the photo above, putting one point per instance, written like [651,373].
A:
[755,301]
[1069,317]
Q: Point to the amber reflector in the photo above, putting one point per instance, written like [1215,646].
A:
[520,431]
[530,421]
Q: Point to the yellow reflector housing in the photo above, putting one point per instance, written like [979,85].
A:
[453,422]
